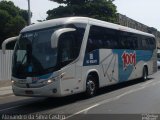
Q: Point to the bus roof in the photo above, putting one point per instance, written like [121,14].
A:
[68,20]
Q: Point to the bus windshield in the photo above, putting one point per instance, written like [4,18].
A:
[33,53]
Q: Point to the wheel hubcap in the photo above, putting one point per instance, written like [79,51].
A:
[145,75]
[91,87]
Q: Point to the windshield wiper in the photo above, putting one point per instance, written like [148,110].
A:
[21,63]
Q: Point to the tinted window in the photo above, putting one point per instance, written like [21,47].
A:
[152,43]
[135,41]
[67,41]
[158,55]
[128,40]
[100,38]
[70,43]
[147,43]
[80,29]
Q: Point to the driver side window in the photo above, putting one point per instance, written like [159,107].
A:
[67,45]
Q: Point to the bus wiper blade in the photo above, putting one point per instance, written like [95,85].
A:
[50,68]
[21,62]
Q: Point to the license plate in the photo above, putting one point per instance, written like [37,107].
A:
[22,81]
[30,92]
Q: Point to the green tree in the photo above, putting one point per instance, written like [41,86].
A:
[71,2]
[24,14]
[99,9]
[12,20]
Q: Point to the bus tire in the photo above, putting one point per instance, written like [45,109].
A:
[91,86]
[145,73]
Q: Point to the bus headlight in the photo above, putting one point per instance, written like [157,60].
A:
[46,82]
[51,80]
[12,81]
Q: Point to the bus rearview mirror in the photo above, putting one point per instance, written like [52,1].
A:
[55,36]
[5,42]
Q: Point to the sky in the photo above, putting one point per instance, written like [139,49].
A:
[143,11]
[38,8]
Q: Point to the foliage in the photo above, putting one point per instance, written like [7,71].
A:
[12,20]
[71,2]
[99,9]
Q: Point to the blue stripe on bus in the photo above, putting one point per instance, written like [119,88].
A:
[92,58]
[36,79]
[141,55]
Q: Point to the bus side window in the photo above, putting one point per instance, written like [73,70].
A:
[127,40]
[151,42]
[90,45]
[135,43]
[122,40]
[145,44]
[94,36]
[139,40]
[79,34]
[122,43]
[110,39]
[101,38]
[66,49]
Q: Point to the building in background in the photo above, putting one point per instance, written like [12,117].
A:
[126,21]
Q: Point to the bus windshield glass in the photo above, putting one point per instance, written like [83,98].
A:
[33,53]
[34,56]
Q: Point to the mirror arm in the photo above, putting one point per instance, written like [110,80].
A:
[5,42]
[57,34]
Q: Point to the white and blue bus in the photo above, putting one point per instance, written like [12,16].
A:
[70,55]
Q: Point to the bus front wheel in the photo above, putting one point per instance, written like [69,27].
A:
[91,86]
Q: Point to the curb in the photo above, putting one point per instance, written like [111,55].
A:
[6,91]
[6,95]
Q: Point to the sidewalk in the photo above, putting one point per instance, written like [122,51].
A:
[5,88]
[5,91]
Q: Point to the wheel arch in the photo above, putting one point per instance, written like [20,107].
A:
[94,73]
[145,72]
[145,66]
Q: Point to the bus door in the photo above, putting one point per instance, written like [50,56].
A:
[66,57]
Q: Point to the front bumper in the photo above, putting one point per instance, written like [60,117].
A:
[51,90]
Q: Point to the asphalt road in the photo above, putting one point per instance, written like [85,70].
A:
[133,100]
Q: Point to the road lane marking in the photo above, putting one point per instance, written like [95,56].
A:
[102,102]
[11,108]
[113,99]
[84,110]
[146,83]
